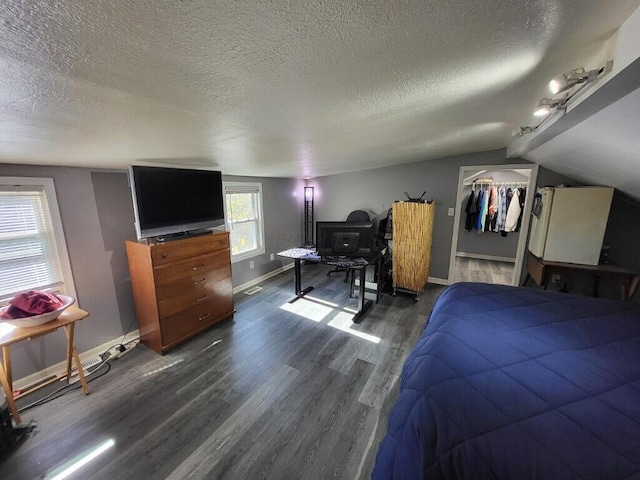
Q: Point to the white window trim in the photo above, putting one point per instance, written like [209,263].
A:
[58,232]
[261,247]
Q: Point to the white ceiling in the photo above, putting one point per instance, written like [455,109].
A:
[281,88]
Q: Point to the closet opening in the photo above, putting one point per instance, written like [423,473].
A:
[491,223]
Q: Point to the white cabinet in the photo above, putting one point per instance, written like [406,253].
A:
[570,225]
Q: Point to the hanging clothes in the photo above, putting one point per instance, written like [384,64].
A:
[485,210]
[513,213]
[522,193]
[502,210]
[492,219]
[472,211]
[479,203]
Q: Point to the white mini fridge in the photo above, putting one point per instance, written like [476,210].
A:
[569,227]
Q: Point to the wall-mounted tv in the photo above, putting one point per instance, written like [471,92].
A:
[171,201]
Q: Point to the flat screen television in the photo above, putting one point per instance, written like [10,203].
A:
[169,201]
[345,239]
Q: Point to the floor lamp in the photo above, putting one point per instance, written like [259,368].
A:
[308,216]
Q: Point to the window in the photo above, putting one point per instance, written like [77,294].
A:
[244,219]
[33,252]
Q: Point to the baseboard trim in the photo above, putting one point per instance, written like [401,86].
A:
[480,256]
[46,373]
[438,281]
[262,278]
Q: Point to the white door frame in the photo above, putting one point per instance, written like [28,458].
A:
[524,228]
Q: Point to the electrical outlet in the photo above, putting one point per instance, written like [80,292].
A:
[251,265]
[555,278]
[272,257]
[451,212]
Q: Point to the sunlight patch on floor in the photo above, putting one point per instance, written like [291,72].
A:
[164,367]
[310,308]
[343,321]
[317,310]
[77,463]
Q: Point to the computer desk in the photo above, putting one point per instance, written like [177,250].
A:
[309,255]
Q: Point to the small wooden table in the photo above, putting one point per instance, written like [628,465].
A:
[541,272]
[67,321]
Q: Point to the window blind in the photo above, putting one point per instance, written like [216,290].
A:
[28,252]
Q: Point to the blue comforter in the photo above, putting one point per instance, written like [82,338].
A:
[512,383]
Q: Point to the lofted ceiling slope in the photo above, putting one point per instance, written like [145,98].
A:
[280,88]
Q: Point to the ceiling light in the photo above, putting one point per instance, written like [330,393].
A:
[569,80]
[546,104]
[543,108]
[523,131]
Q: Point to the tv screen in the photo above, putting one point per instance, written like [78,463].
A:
[175,200]
[344,239]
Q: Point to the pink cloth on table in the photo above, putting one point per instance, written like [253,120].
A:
[30,303]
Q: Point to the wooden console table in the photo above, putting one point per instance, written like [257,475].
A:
[541,272]
[67,321]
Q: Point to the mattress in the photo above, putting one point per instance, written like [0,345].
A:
[509,383]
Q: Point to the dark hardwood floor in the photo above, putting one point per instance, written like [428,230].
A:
[292,391]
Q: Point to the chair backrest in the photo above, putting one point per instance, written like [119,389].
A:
[358,216]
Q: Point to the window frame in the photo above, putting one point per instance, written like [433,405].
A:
[260,250]
[51,200]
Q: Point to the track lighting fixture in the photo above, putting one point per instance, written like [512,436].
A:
[565,83]
[523,131]
[568,80]
[546,104]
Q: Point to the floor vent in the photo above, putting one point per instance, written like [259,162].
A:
[252,290]
[86,365]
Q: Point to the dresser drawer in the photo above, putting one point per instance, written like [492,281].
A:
[203,295]
[198,316]
[169,252]
[191,269]
[195,281]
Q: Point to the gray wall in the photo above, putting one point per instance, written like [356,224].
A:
[97,217]
[377,189]
[282,206]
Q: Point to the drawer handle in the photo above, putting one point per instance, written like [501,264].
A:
[197,267]
[203,317]
[201,298]
[198,281]
[164,255]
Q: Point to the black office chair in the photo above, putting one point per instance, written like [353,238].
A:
[357,216]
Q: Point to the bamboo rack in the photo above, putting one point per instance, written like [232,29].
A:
[412,238]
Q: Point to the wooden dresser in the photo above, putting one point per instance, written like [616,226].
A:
[180,287]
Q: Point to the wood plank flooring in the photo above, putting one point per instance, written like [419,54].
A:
[292,391]
[483,271]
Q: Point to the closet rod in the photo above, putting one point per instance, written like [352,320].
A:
[501,184]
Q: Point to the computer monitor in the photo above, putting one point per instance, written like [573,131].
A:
[345,239]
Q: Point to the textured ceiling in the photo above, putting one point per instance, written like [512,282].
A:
[281,88]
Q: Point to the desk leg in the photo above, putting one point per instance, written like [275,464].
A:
[297,278]
[9,393]
[72,352]
[363,305]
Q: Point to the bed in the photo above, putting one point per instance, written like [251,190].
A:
[510,383]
